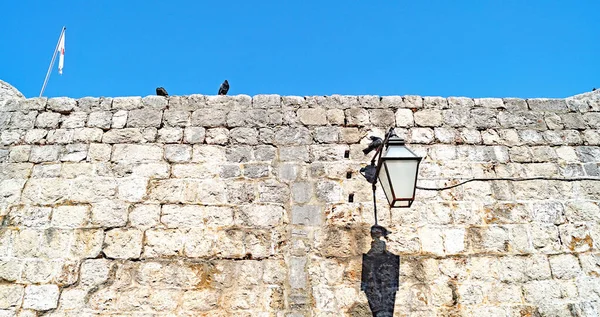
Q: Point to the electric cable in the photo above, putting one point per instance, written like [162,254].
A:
[512,179]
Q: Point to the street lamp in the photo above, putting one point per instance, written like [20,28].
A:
[397,169]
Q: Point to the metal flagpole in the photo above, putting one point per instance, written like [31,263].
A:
[52,61]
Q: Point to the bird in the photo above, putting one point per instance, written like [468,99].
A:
[160,91]
[375,143]
[594,89]
[224,88]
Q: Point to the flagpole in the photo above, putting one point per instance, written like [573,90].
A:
[52,61]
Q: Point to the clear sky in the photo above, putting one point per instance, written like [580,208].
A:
[477,48]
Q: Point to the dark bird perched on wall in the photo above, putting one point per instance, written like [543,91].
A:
[594,89]
[375,143]
[160,91]
[224,88]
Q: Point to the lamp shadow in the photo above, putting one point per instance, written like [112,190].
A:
[380,275]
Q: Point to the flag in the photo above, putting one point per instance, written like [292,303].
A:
[61,49]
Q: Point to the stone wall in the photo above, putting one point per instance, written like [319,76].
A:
[238,206]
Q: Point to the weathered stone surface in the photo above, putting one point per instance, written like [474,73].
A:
[41,297]
[272,216]
[123,243]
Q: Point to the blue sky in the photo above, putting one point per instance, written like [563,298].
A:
[514,48]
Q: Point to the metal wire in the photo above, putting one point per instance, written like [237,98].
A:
[512,179]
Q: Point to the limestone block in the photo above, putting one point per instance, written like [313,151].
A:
[176,118]
[109,213]
[11,296]
[74,153]
[218,136]
[488,239]
[404,118]
[127,103]
[312,116]
[136,153]
[522,119]
[564,266]
[74,120]
[545,237]
[55,243]
[61,104]
[200,300]
[200,242]
[444,135]
[40,271]
[87,243]
[546,104]
[187,103]
[307,215]
[582,211]
[548,211]
[19,153]
[292,136]
[127,135]
[45,191]
[144,216]
[23,120]
[29,216]
[178,153]
[41,297]
[356,117]
[37,103]
[328,191]
[335,116]
[428,118]
[163,243]
[575,237]
[271,191]
[434,102]
[70,216]
[293,153]
[119,119]
[72,299]
[10,269]
[326,134]
[592,119]
[332,152]
[155,102]
[257,216]
[99,152]
[144,118]
[432,240]
[92,189]
[194,135]
[87,135]
[189,216]
[35,136]
[239,154]
[100,119]
[47,120]
[60,136]
[421,135]
[44,153]
[123,243]
[214,117]
[266,101]
[256,170]
[244,136]
[132,189]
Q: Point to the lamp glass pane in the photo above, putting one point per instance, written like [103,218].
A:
[385,184]
[394,151]
[401,203]
[403,174]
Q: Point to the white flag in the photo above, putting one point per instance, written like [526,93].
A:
[61,49]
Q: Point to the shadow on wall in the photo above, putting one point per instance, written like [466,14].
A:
[380,271]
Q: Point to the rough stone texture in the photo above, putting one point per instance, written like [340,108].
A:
[239,206]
